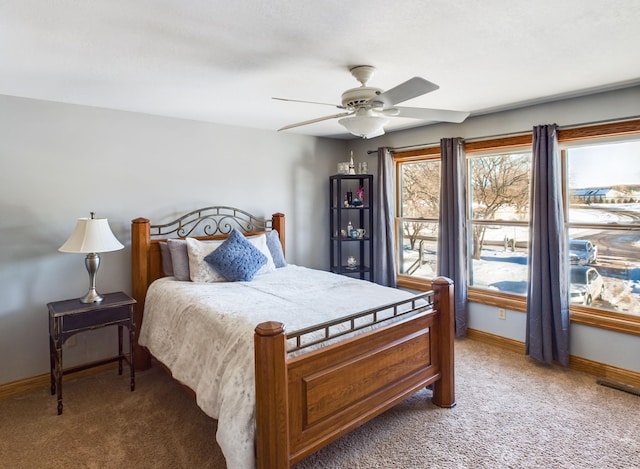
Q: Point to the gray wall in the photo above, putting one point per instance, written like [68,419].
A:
[60,161]
[616,349]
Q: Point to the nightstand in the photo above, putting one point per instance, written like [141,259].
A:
[68,317]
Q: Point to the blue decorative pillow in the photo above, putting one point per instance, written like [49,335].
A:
[273,243]
[237,259]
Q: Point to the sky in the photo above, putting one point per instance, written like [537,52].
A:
[604,165]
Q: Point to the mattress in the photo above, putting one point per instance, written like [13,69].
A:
[203,332]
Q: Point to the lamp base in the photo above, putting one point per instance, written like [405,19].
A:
[92,296]
[92,263]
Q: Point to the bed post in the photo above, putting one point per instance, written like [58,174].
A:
[277,223]
[444,389]
[140,240]
[272,417]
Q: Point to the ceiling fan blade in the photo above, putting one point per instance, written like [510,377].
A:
[313,121]
[308,102]
[411,88]
[434,115]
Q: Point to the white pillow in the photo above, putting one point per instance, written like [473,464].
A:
[201,271]
[260,242]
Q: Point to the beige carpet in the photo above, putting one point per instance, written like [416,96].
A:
[511,413]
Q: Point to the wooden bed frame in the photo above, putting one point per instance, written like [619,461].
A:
[305,402]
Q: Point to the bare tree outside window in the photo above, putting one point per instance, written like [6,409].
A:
[421,189]
[499,191]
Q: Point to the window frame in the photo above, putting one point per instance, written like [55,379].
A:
[516,143]
[412,156]
[585,315]
[602,133]
[506,145]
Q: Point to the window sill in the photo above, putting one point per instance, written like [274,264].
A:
[618,322]
[502,300]
[609,320]
[413,283]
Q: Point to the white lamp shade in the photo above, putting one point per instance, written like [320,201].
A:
[91,235]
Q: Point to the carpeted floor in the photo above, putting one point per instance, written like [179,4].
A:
[511,413]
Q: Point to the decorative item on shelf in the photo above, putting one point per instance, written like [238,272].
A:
[361,232]
[91,236]
[343,168]
[349,199]
[352,168]
[354,234]
[358,201]
[352,263]
[349,228]
[363,167]
[346,200]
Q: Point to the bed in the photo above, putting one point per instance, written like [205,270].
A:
[294,358]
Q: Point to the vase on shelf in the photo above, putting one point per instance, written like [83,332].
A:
[352,168]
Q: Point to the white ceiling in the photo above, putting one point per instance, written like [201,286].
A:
[223,60]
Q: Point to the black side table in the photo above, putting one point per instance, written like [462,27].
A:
[68,317]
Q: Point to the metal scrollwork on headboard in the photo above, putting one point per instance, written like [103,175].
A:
[211,221]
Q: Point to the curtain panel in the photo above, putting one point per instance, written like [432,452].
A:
[384,219]
[547,333]
[452,238]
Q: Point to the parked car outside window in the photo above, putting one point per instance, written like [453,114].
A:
[586,285]
[582,252]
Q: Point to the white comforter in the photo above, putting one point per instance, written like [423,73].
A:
[203,332]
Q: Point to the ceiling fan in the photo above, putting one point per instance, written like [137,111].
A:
[367,109]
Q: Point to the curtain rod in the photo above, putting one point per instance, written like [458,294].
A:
[511,134]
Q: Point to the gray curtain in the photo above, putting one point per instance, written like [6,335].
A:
[452,239]
[384,235]
[547,297]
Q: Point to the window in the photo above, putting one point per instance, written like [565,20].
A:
[603,224]
[601,183]
[498,190]
[417,224]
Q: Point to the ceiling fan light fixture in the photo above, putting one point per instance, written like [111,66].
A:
[366,109]
[365,126]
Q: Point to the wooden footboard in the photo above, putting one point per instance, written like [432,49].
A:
[306,402]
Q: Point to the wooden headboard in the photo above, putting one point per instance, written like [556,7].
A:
[206,223]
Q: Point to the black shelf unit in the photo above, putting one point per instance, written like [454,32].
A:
[342,244]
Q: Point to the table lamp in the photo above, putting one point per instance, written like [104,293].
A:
[91,236]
